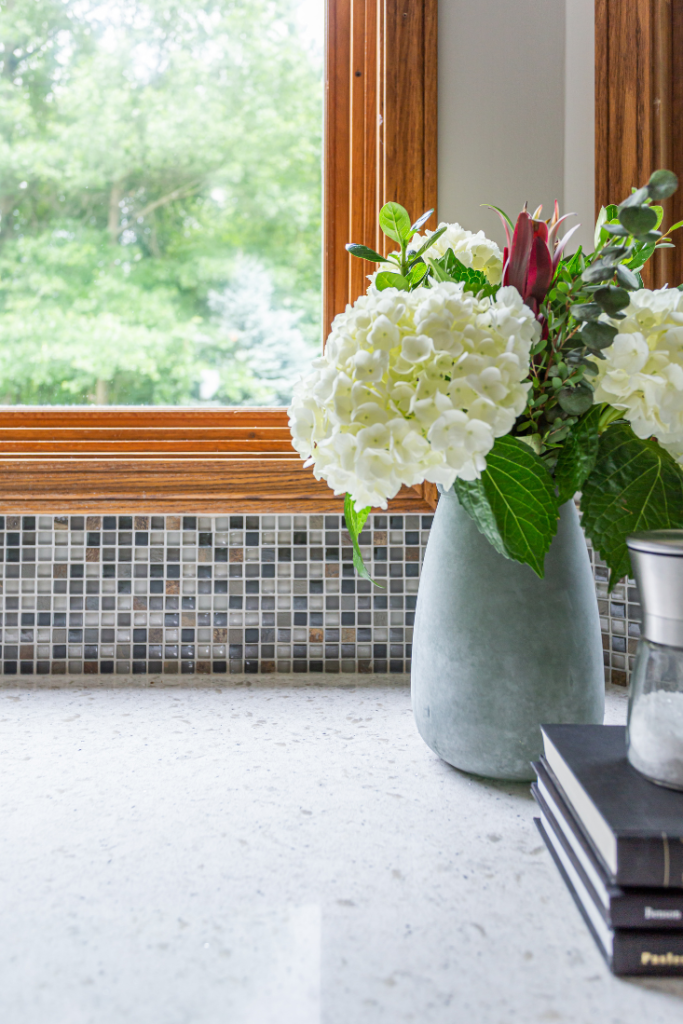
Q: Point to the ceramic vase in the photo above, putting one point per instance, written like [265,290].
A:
[497,651]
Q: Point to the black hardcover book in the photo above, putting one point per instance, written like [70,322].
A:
[620,908]
[627,950]
[635,826]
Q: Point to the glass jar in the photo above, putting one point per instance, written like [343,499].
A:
[655,711]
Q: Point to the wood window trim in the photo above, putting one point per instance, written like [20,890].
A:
[126,459]
[380,144]
[638,99]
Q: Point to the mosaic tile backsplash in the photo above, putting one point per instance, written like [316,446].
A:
[620,617]
[150,594]
[200,594]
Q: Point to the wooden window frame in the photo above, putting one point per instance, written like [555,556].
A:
[380,145]
[638,100]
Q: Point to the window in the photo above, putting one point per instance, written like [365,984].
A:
[380,144]
[160,219]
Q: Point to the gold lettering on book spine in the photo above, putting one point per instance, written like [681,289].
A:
[668,959]
[667,861]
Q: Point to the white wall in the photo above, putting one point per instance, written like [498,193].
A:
[510,130]
[579,108]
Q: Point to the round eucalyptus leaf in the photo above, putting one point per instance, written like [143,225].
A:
[597,334]
[612,299]
[636,198]
[576,401]
[615,252]
[586,310]
[616,229]
[638,219]
[626,278]
[601,270]
[662,184]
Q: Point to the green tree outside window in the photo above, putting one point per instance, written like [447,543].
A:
[160,201]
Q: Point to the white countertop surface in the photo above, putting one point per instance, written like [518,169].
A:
[277,854]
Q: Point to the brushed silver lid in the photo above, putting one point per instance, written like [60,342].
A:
[657,542]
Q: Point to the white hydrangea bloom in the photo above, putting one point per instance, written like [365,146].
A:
[473,250]
[413,387]
[642,373]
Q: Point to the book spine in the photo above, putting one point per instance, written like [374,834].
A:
[643,910]
[655,953]
[621,908]
[655,861]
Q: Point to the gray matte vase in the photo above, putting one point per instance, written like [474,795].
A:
[498,651]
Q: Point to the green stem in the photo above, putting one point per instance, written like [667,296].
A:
[607,416]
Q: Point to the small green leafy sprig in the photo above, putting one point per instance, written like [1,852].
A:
[585,288]
[449,268]
[412,268]
[408,267]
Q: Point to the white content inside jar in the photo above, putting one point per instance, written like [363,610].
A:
[656,736]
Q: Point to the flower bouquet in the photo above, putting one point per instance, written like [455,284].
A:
[518,378]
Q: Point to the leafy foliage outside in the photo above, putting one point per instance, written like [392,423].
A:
[160,201]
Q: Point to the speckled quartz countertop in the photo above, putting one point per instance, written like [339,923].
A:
[276,853]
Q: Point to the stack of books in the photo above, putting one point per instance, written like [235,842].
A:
[617,841]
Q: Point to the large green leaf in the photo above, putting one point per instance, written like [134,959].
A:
[513,503]
[578,454]
[395,222]
[355,521]
[635,485]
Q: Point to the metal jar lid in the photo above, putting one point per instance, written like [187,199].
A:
[657,559]
[658,542]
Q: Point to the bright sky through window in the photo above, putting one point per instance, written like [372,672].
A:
[160,200]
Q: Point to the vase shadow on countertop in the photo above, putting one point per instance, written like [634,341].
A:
[511,787]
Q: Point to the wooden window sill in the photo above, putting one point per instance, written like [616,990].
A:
[170,460]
